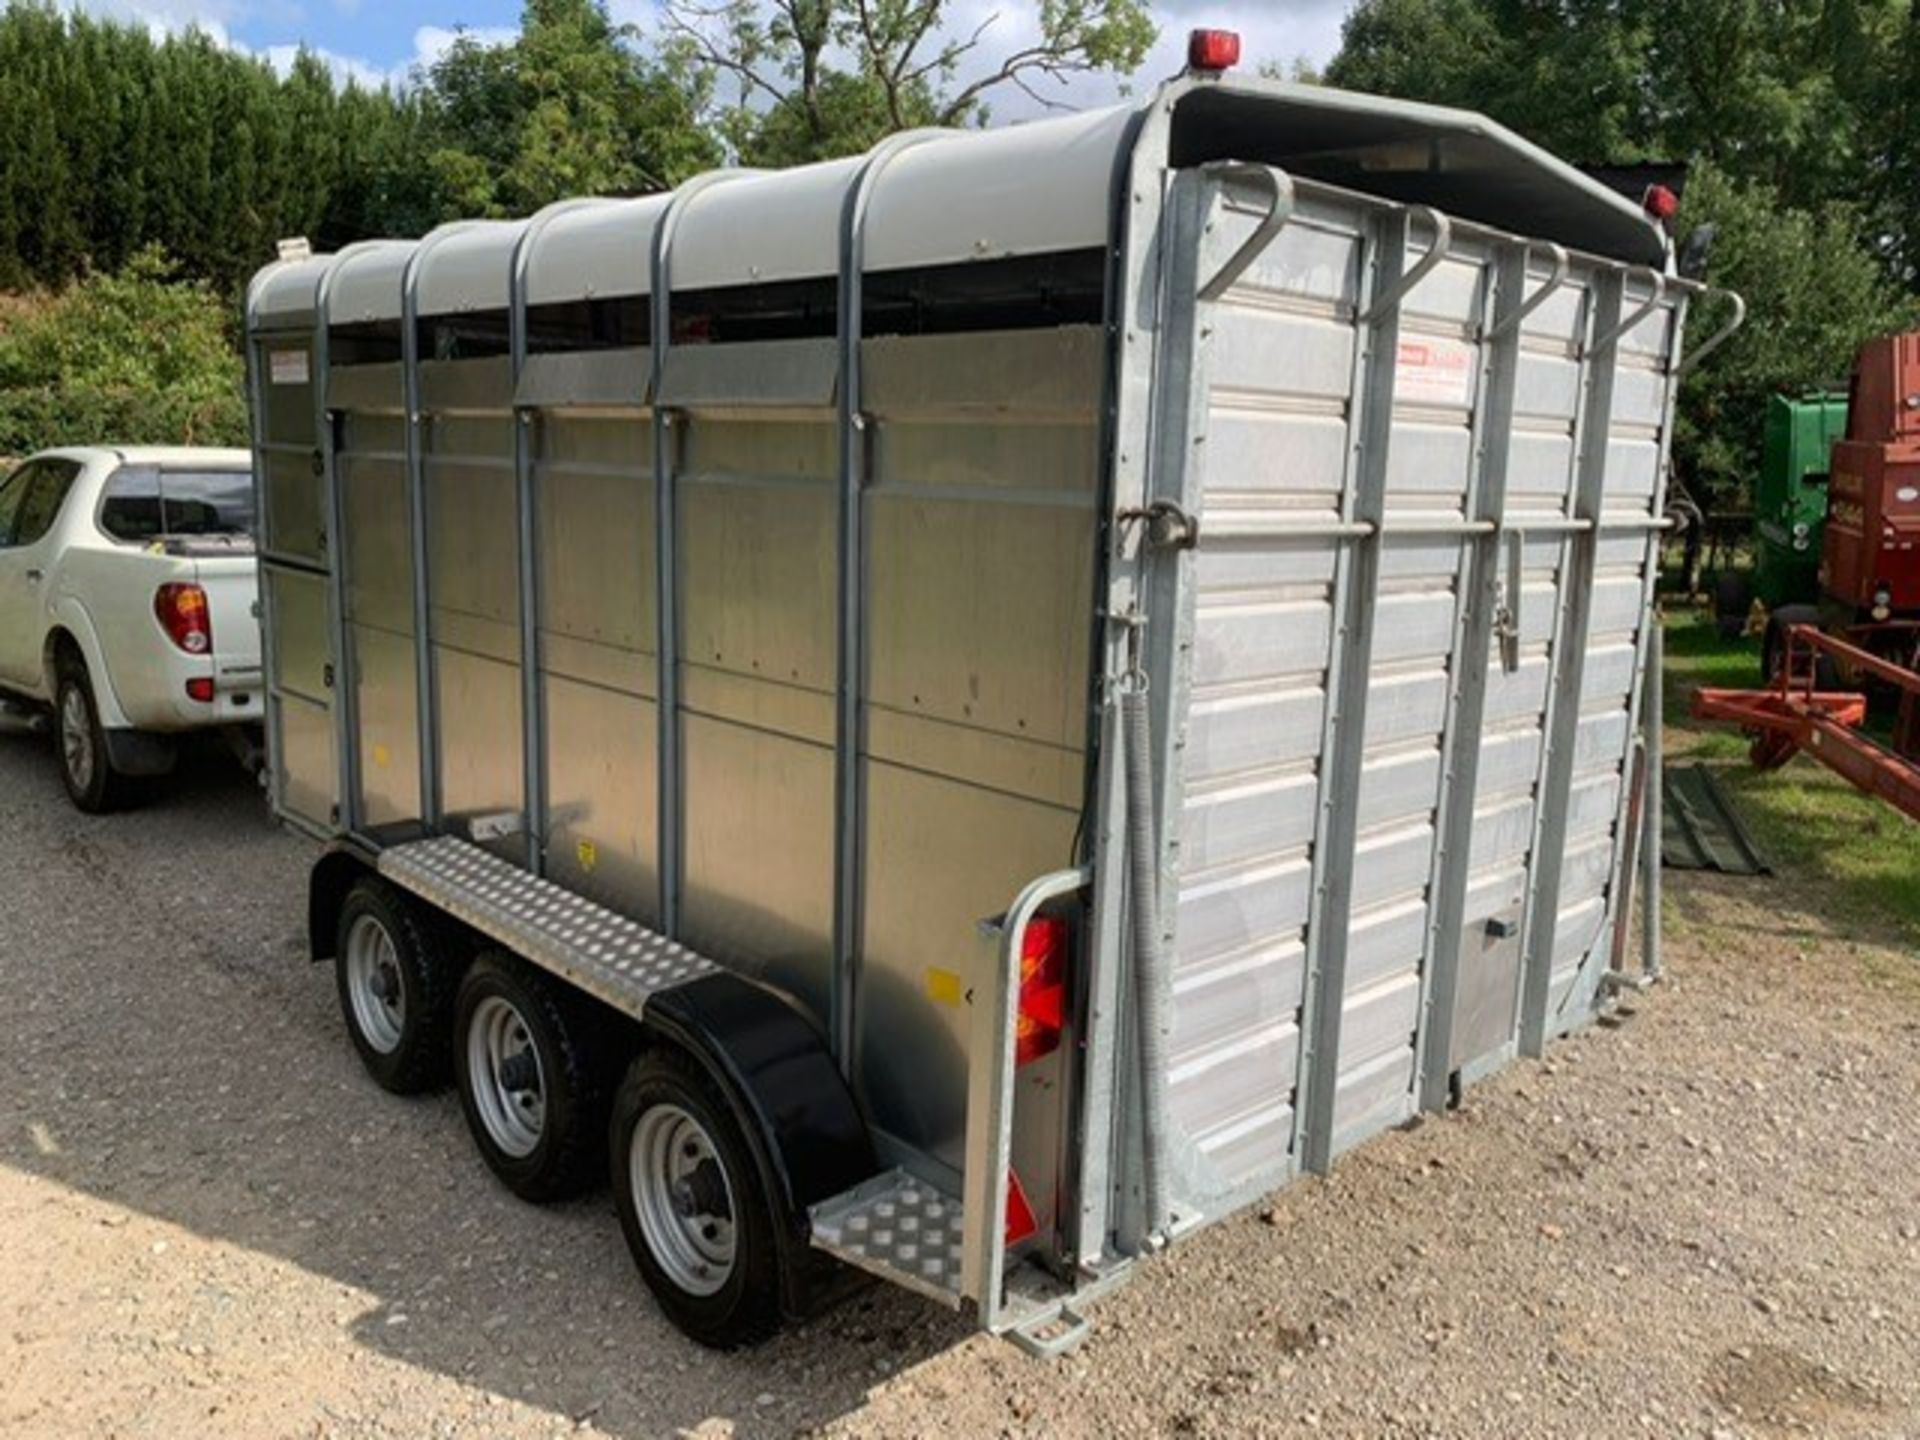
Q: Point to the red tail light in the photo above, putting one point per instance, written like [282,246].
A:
[1043,989]
[1214,50]
[201,688]
[182,612]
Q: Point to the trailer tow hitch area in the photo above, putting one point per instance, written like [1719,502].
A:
[1791,716]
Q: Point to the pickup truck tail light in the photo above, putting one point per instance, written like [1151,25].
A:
[183,614]
[200,688]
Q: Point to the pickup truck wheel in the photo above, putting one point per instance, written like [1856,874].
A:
[92,783]
[692,1203]
[530,1096]
[396,987]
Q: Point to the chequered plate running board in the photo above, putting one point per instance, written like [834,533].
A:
[899,1228]
[609,956]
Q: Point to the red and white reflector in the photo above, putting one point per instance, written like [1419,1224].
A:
[1213,50]
[183,614]
[1041,1012]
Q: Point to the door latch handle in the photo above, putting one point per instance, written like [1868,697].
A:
[35,576]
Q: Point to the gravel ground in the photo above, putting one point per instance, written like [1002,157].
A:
[1701,1220]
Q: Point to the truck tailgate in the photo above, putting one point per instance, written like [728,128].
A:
[232,586]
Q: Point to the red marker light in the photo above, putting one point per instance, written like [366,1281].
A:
[1213,50]
[1660,202]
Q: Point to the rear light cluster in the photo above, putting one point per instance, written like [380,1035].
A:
[183,614]
[1040,1019]
[1042,1008]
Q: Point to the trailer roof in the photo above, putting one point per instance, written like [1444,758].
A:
[946,197]
[365,284]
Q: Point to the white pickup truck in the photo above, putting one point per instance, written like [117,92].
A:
[127,595]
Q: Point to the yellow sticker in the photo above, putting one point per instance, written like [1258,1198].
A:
[943,986]
[589,855]
[382,756]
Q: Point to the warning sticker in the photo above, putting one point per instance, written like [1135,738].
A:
[288,367]
[1431,371]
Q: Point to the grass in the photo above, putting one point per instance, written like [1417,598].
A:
[1816,828]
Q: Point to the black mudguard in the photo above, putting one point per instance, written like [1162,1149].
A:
[794,1103]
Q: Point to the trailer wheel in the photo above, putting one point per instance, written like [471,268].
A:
[692,1203]
[530,1097]
[396,987]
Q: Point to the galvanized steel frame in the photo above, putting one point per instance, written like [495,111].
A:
[1478,582]
[665,549]
[1579,557]
[849,787]
[426,685]
[1385,280]
[533,709]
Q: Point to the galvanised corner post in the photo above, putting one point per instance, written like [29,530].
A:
[849,787]
[263,531]
[666,547]
[533,711]
[1350,665]
[346,724]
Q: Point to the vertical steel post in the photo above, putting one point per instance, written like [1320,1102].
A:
[1655,721]
[850,660]
[263,530]
[1349,675]
[665,536]
[346,729]
[533,716]
[1580,554]
[1473,645]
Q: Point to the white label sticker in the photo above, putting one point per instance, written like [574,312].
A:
[1906,494]
[288,367]
[1431,371]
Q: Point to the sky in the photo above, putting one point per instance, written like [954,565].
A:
[378,40]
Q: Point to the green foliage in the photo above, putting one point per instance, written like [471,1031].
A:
[1813,292]
[815,79]
[569,107]
[1800,118]
[137,357]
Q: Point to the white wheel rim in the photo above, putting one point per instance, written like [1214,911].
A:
[506,1077]
[373,984]
[683,1198]
[76,738]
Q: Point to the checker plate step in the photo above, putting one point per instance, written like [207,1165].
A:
[616,959]
[899,1228]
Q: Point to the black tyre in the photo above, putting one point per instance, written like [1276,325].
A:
[693,1202]
[1773,649]
[526,1083]
[1732,602]
[85,764]
[396,980]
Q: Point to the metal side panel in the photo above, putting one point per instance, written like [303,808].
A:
[305,765]
[607,955]
[387,716]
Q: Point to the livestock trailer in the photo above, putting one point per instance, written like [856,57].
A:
[972,709]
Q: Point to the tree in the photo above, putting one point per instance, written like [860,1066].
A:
[814,79]
[571,106]
[1813,294]
[140,356]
